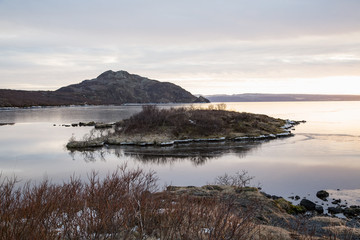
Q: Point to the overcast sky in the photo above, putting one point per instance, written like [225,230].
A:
[205,46]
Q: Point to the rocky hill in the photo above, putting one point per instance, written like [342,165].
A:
[108,88]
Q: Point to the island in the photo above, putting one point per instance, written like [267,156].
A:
[163,127]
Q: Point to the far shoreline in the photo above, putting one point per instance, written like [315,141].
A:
[169,104]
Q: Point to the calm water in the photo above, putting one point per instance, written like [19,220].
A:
[324,154]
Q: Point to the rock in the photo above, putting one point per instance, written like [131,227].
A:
[322,194]
[3,124]
[336,201]
[90,124]
[274,197]
[352,212]
[309,205]
[84,144]
[266,194]
[335,210]
[297,197]
[103,125]
[319,209]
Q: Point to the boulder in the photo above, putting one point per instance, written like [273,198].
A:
[319,209]
[352,212]
[103,125]
[84,144]
[309,205]
[322,194]
[335,210]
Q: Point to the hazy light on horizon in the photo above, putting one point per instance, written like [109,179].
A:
[207,47]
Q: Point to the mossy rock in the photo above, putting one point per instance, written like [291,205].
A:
[289,207]
[85,144]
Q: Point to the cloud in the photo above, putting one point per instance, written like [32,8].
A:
[53,43]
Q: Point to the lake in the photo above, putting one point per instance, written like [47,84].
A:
[323,154]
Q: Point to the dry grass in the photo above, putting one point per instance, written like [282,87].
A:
[178,123]
[123,205]
[127,205]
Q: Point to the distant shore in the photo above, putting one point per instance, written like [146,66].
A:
[264,97]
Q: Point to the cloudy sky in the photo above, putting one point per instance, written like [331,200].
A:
[205,46]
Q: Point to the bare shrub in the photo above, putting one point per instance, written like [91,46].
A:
[126,205]
[221,107]
[194,122]
[239,179]
[123,205]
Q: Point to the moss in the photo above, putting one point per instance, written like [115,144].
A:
[213,187]
[246,189]
[289,207]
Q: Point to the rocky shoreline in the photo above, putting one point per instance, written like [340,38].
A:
[276,216]
[4,124]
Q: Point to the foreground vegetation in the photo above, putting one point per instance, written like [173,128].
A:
[127,205]
[155,126]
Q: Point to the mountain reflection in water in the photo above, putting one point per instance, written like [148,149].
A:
[197,153]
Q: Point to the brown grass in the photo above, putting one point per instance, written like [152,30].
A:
[192,123]
[127,205]
[123,205]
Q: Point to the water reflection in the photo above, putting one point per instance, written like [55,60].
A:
[197,153]
[323,154]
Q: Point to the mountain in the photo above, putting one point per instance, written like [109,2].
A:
[259,97]
[108,88]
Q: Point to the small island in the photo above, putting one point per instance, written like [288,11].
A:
[164,127]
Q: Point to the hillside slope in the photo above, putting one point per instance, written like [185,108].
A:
[108,88]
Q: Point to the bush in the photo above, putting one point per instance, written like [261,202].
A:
[123,205]
[239,179]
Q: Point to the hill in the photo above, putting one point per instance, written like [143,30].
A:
[108,88]
[262,97]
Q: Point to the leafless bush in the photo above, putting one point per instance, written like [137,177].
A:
[123,205]
[126,205]
[239,179]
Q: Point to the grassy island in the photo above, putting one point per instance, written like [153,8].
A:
[162,127]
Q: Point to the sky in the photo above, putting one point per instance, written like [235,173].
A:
[205,46]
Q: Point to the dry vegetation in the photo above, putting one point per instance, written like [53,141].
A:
[123,205]
[181,123]
[126,205]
